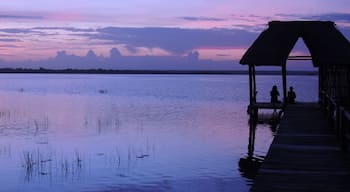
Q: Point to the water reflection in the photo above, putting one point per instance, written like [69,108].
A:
[271,118]
[103,141]
[108,133]
[250,164]
[5,151]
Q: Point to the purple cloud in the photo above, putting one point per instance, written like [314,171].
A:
[71,29]
[336,17]
[222,55]
[20,17]
[62,60]
[176,40]
[131,49]
[254,28]
[10,40]
[10,46]
[189,18]
[16,30]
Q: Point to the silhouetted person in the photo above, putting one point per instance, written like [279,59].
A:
[274,94]
[291,95]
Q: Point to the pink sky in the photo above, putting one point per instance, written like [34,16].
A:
[58,25]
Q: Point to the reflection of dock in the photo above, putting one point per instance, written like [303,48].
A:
[305,155]
[261,105]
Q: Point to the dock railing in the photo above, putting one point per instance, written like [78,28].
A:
[339,118]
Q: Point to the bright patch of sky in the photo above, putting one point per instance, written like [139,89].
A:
[218,30]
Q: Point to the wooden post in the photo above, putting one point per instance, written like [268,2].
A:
[251,144]
[252,96]
[251,110]
[250,85]
[284,79]
[254,84]
[256,109]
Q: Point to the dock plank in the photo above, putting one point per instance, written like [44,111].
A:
[304,155]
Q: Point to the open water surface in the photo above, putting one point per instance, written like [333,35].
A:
[130,132]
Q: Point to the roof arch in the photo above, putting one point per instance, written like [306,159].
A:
[326,44]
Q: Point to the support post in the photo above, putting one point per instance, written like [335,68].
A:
[252,111]
[250,85]
[254,84]
[251,144]
[284,79]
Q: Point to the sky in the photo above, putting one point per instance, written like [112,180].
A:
[221,30]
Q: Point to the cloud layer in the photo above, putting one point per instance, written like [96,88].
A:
[21,17]
[175,40]
[43,41]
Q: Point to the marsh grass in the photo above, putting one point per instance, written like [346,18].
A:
[37,164]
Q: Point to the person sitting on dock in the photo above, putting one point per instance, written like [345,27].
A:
[291,95]
[274,94]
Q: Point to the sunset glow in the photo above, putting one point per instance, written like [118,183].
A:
[36,30]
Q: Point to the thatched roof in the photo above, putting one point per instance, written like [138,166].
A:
[325,42]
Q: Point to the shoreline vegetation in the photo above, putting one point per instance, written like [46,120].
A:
[175,72]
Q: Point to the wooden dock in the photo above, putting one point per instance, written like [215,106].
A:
[305,155]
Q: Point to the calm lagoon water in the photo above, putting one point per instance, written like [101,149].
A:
[130,132]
